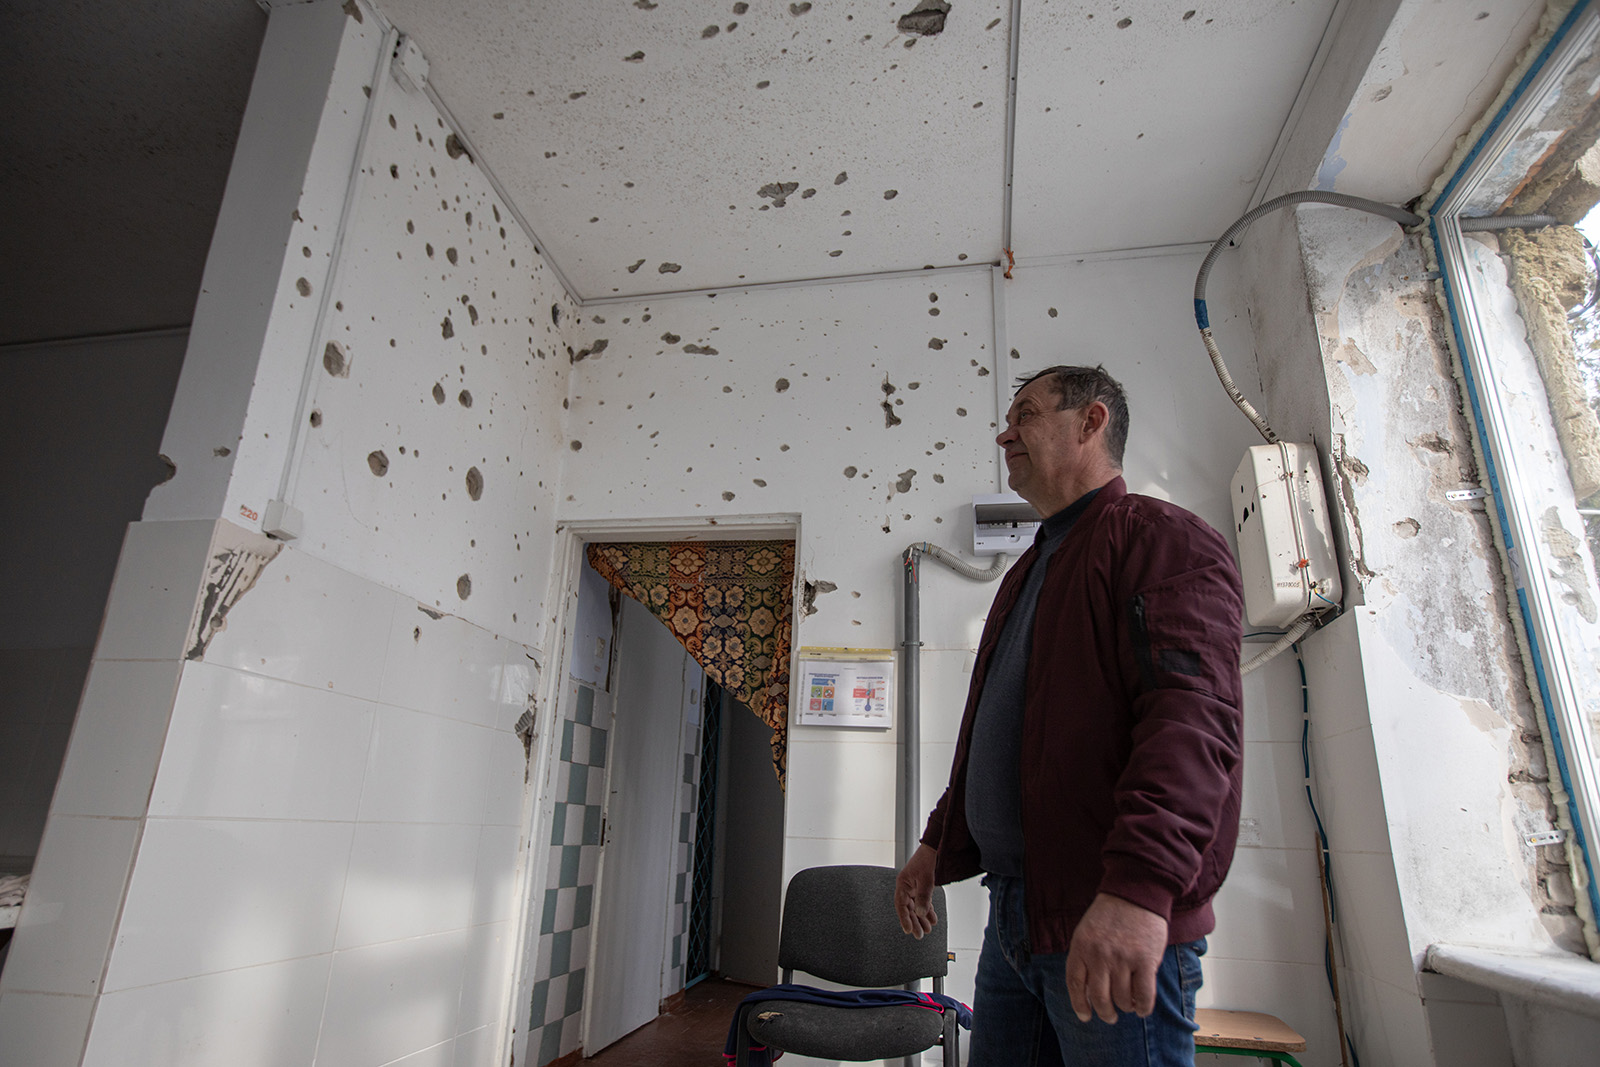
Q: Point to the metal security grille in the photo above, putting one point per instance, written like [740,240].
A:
[698,959]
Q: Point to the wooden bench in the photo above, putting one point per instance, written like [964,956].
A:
[1246,1033]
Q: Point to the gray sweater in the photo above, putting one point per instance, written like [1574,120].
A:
[994,790]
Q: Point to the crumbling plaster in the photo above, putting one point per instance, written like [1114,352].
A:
[1429,575]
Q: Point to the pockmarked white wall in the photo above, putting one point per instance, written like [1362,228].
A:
[777,406]
[291,823]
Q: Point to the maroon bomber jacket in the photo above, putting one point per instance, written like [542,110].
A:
[1132,746]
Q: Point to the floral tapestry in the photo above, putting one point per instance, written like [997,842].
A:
[730,604]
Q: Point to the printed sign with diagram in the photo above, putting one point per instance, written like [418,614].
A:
[846,692]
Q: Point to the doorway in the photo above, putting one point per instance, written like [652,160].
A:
[665,839]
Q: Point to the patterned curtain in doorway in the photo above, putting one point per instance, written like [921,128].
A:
[730,604]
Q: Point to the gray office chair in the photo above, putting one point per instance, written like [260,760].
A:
[839,924]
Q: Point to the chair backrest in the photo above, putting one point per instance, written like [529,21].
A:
[839,924]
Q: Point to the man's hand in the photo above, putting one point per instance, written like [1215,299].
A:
[1112,963]
[913,893]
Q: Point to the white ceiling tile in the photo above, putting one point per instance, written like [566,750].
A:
[1150,123]
[646,173]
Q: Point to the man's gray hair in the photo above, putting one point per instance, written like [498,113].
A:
[1078,387]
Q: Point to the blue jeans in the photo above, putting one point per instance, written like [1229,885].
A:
[1022,1016]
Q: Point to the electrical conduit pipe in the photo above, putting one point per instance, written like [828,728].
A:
[910,682]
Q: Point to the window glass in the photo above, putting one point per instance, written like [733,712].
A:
[1525,309]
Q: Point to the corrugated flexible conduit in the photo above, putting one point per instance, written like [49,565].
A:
[910,682]
[1203,320]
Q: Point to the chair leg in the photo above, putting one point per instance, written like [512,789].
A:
[952,1039]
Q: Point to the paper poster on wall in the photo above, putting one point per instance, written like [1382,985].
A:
[852,687]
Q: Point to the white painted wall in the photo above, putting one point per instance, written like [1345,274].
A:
[665,434]
[301,842]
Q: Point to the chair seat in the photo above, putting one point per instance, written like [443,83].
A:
[1245,1030]
[833,1033]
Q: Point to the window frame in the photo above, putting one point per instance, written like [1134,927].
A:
[1511,503]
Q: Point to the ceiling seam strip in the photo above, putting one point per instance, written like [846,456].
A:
[482,164]
[797,283]
[1013,50]
[1319,59]
[1067,259]
[539,247]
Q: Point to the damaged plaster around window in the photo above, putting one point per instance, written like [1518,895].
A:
[1427,572]
[1549,275]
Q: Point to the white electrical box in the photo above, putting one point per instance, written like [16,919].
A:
[1286,552]
[1002,522]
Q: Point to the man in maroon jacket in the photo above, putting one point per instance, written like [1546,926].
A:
[1098,770]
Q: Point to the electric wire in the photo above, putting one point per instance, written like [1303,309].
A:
[1296,632]
[1203,320]
[1324,850]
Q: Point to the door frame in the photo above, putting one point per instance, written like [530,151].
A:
[567,562]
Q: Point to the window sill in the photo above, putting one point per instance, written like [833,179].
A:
[1568,983]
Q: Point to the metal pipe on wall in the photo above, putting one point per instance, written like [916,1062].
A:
[911,682]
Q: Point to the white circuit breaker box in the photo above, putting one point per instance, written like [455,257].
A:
[1286,551]
[1002,522]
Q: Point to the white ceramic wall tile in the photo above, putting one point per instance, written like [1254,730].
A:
[309,622]
[556,1005]
[1297,993]
[1468,1035]
[802,852]
[1275,797]
[842,790]
[946,674]
[476,1048]
[486,976]
[245,746]
[64,933]
[407,880]
[1387,1024]
[441,1055]
[1272,703]
[210,895]
[391,1000]
[936,759]
[1443,989]
[494,884]
[519,682]
[43,1029]
[446,666]
[571,1033]
[153,594]
[1270,907]
[1344,774]
[1372,924]
[117,740]
[425,768]
[1335,678]
[49,754]
[967,905]
[253,1017]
